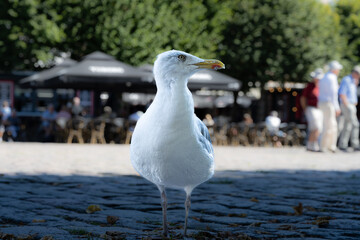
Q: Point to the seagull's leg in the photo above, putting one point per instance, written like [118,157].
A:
[187,207]
[164,208]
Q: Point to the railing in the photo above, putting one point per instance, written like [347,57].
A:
[119,130]
[236,134]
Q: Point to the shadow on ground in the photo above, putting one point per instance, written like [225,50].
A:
[233,204]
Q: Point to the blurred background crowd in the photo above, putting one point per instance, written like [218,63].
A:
[80,71]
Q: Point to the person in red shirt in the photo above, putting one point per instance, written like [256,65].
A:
[308,101]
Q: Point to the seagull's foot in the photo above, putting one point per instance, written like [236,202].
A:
[185,232]
[164,209]
[165,232]
[187,207]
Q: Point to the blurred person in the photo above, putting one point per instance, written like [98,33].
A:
[12,126]
[4,114]
[329,105]
[132,120]
[208,120]
[247,119]
[108,114]
[134,117]
[2,130]
[111,124]
[221,120]
[5,110]
[48,119]
[63,116]
[77,109]
[209,123]
[348,102]
[272,123]
[309,101]
[63,113]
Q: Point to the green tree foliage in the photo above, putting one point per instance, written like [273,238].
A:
[27,34]
[349,12]
[258,40]
[279,40]
[136,31]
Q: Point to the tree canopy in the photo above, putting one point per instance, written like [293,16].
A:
[135,31]
[28,34]
[280,40]
[259,40]
[349,12]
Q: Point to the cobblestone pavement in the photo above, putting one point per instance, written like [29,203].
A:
[256,204]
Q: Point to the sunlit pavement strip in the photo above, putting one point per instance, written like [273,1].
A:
[258,193]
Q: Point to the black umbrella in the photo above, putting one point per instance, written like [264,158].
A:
[43,79]
[99,71]
[212,80]
[208,80]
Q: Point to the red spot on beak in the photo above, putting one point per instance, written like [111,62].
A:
[216,66]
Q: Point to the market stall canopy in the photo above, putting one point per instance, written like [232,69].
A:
[42,78]
[211,80]
[200,101]
[208,80]
[98,71]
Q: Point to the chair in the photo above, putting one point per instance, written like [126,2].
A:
[221,137]
[130,130]
[296,134]
[244,130]
[117,130]
[98,131]
[61,130]
[234,134]
[76,126]
[260,135]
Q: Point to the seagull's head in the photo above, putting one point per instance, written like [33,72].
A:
[176,65]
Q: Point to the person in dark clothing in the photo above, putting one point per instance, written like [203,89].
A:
[308,101]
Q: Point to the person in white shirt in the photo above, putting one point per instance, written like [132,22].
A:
[273,122]
[328,103]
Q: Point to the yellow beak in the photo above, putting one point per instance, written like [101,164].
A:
[210,64]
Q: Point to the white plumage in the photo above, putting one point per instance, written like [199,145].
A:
[170,146]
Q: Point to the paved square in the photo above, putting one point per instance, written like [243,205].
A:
[257,193]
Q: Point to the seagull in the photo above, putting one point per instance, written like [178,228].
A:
[170,145]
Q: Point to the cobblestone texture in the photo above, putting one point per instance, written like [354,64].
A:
[241,205]
[257,193]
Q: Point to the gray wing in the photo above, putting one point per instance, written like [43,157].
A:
[204,136]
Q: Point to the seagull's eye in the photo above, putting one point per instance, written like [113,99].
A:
[182,58]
